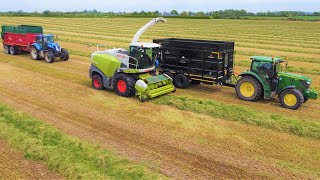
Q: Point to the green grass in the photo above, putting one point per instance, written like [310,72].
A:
[69,156]
[243,114]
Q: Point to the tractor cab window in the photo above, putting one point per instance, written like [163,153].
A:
[48,39]
[281,66]
[263,68]
[143,57]
[39,39]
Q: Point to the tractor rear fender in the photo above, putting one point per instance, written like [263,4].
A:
[266,87]
[107,82]
[37,46]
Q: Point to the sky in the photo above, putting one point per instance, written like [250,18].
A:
[161,5]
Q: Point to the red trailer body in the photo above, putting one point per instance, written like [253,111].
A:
[21,41]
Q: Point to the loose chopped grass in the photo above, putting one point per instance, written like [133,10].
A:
[243,114]
[69,156]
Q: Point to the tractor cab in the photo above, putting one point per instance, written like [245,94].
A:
[144,55]
[47,42]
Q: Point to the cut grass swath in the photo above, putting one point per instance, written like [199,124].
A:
[69,156]
[243,114]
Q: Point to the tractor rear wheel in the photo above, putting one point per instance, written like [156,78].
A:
[49,57]
[34,53]
[124,85]
[248,88]
[97,82]
[181,81]
[291,98]
[7,49]
[64,55]
[13,50]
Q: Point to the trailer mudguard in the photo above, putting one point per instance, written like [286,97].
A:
[266,87]
[37,46]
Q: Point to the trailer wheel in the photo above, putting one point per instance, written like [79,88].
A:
[34,53]
[13,50]
[291,99]
[49,57]
[64,55]
[7,49]
[97,82]
[195,82]
[181,81]
[124,85]
[248,88]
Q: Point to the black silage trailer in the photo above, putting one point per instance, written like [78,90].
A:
[190,61]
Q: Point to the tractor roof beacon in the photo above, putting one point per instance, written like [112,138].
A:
[127,72]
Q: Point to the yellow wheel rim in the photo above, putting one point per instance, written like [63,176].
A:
[247,89]
[290,99]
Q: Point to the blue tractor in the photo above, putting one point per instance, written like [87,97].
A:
[46,48]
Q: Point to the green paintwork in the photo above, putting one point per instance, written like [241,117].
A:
[21,29]
[285,80]
[265,86]
[156,86]
[106,63]
[131,71]
[266,59]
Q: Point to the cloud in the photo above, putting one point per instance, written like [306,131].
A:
[162,5]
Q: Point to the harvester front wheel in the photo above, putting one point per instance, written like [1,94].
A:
[248,88]
[97,82]
[64,55]
[7,49]
[124,85]
[291,99]
[181,81]
[49,57]
[34,53]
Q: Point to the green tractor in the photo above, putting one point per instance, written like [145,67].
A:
[129,72]
[267,78]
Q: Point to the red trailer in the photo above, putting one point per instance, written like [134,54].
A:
[19,38]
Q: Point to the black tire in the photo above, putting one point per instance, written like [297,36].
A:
[6,49]
[287,103]
[64,55]
[124,85]
[13,50]
[181,81]
[97,82]
[253,93]
[34,53]
[49,57]
[169,74]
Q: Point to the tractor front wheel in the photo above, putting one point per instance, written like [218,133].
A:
[7,49]
[124,85]
[291,99]
[248,88]
[64,55]
[97,82]
[49,57]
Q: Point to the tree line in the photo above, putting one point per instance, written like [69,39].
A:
[229,13]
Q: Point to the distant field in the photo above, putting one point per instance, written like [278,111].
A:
[298,18]
[201,132]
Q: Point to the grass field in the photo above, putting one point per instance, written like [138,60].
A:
[201,132]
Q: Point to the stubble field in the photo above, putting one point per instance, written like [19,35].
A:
[201,132]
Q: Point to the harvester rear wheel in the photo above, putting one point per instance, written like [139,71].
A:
[7,49]
[291,99]
[181,81]
[97,82]
[124,85]
[49,57]
[248,88]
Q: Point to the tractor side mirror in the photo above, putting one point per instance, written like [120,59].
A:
[56,37]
